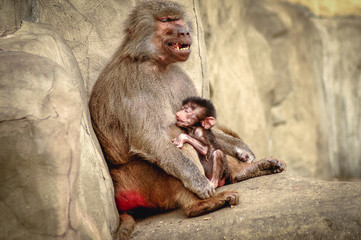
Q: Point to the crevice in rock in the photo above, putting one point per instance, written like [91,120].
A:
[29,117]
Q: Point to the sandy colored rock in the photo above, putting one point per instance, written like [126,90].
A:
[94,30]
[37,176]
[66,191]
[55,180]
[288,81]
[280,206]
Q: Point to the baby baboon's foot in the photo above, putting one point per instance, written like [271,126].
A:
[271,165]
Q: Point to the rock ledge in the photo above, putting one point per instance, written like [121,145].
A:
[279,206]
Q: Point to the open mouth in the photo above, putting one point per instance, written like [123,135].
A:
[179,46]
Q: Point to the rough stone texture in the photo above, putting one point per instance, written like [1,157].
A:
[94,31]
[15,11]
[272,207]
[331,8]
[37,175]
[341,93]
[288,82]
[55,182]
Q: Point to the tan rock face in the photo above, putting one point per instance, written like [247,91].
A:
[331,8]
[36,176]
[55,182]
[94,31]
[271,207]
[54,179]
[288,83]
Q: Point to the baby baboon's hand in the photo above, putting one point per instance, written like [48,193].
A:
[180,140]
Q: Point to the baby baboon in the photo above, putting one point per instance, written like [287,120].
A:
[197,117]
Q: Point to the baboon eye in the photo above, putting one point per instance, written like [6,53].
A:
[186,109]
[168,19]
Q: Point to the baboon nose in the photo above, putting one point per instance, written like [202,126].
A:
[183,32]
[186,33]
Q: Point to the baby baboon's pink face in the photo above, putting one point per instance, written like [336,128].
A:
[190,114]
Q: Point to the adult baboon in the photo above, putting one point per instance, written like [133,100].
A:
[133,106]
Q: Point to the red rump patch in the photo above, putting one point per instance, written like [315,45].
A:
[129,200]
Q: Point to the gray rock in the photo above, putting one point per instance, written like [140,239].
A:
[54,179]
[279,206]
[55,182]
[94,30]
[288,82]
[40,118]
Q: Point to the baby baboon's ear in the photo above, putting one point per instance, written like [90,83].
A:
[208,122]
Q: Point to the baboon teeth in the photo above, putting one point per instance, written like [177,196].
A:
[179,46]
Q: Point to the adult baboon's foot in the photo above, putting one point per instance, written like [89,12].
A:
[126,227]
[222,199]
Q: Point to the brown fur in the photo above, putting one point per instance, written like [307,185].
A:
[228,131]
[167,192]
[132,108]
[197,117]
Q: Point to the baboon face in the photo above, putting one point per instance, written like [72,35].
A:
[190,114]
[172,39]
[158,31]
[196,110]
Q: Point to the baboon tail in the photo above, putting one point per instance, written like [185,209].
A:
[126,227]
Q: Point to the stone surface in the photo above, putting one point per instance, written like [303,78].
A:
[288,82]
[37,176]
[277,86]
[13,12]
[331,8]
[280,206]
[94,31]
[55,182]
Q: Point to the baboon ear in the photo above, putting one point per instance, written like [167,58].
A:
[208,122]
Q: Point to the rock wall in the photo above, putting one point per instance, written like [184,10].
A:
[271,207]
[94,31]
[288,82]
[328,8]
[55,182]
[284,78]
